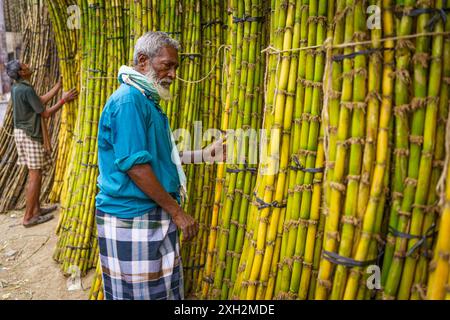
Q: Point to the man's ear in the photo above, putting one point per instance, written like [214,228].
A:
[142,60]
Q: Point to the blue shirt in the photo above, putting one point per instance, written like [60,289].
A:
[132,130]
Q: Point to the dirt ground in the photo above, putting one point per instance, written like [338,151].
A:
[27,270]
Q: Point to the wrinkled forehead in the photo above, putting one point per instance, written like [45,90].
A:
[167,55]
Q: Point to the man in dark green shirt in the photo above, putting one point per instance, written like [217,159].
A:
[28,109]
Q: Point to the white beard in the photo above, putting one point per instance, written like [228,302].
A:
[162,86]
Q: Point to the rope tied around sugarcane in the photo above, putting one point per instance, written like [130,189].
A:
[299,167]
[429,233]
[264,205]
[342,57]
[245,169]
[222,47]
[345,261]
[327,45]
[438,14]
[247,18]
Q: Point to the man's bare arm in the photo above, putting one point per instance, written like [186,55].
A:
[67,97]
[144,177]
[52,110]
[216,152]
[46,98]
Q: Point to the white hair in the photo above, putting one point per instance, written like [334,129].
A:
[151,43]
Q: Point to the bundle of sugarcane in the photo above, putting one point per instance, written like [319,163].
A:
[342,194]
[192,111]
[242,110]
[40,53]
[353,243]
[66,34]
[77,243]
[256,275]
[208,113]
[412,222]
[439,268]
[298,233]
[190,90]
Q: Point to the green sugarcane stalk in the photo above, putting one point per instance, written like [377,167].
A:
[426,158]
[311,119]
[356,154]
[279,148]
[255,123]
[315,226]
[335,93]
[377,188]
[296,135]
[373,110]
[416,141]
[402,81]
[246,99]
[239,56]
[248,252]
[337,188]
[422,270]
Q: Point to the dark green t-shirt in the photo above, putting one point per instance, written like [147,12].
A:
[27,108]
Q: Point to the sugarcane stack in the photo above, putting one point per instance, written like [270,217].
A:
[209,107]
[66,32]
[39,51]
[350,180]
[242,108]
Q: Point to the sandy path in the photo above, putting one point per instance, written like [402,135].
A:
[27,270]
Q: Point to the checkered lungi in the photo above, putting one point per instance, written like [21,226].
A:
[140,257]
[31,153]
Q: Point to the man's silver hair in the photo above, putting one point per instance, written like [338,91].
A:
[151,43]
[12,69]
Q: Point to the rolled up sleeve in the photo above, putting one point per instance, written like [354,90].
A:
[129,137]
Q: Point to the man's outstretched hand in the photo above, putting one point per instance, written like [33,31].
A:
[216,152]
[186,224]
[70,95]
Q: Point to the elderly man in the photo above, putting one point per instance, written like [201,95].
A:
[28,110]
[141,180]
